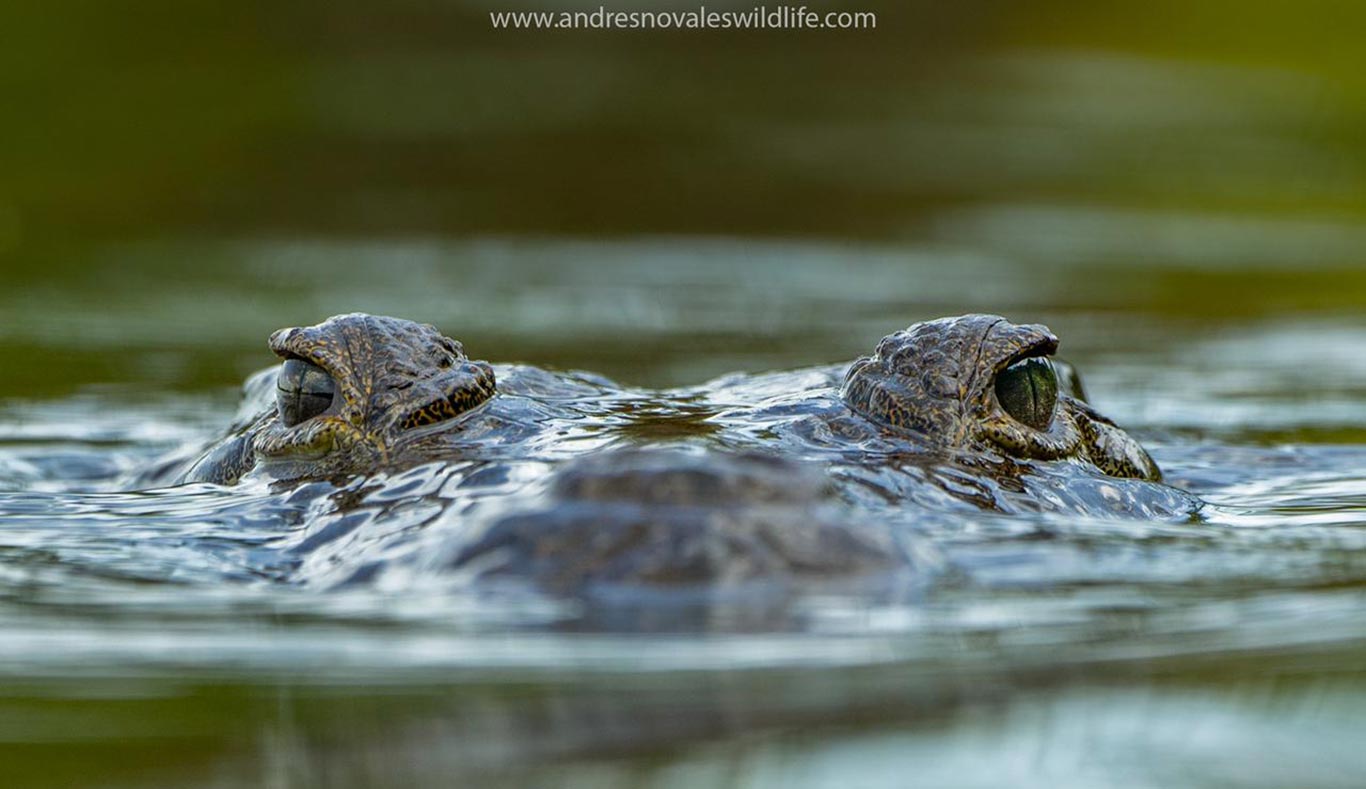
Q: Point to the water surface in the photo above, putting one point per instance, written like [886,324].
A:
[1183,208]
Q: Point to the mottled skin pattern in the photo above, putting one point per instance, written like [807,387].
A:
[935,380]
[398,382]
[360,393]
[670,517]
[393,378]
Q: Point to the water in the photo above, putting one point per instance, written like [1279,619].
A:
[1176,196]
[1045,641]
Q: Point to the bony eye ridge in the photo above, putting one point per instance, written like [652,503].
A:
[303,391]
[1028,391]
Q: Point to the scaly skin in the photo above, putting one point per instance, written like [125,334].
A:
[395,381]
[401,386]
[365,394]
[935,380]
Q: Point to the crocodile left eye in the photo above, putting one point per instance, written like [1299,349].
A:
[302,391]
[1028,390]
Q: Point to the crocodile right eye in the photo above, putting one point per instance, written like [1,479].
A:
[303,391]
[1028,390]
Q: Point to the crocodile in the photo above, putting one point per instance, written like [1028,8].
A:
[353,394]
[359,393]
[678,517]
[963,414]
[980,382]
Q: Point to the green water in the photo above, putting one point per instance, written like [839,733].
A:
[1177,191]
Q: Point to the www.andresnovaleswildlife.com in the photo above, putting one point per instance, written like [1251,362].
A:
[758,18]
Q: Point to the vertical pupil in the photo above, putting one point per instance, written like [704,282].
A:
[1028,391]
[302,391]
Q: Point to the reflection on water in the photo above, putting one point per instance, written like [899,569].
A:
[1178,197]
[1069,649]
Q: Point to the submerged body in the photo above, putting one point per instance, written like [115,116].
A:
[957,414]
[677,518]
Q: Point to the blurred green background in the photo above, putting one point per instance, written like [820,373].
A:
[1177,188]
[179,179]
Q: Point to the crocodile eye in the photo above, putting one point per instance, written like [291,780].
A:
[1028,390]
[302,391]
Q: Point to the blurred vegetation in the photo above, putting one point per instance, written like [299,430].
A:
[1164,140]
[417,117]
